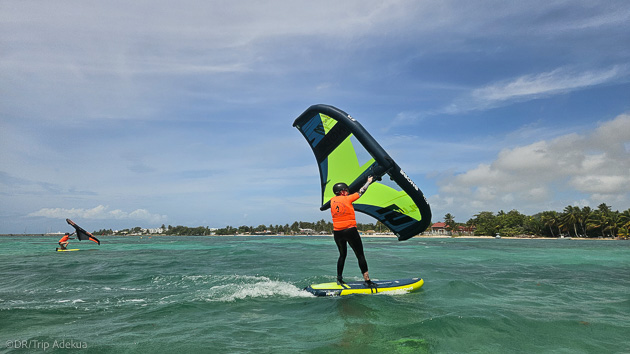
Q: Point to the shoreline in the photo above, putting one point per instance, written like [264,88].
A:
[330,235]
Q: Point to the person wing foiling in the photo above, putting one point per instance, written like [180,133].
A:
[345,151]
[345,228]
[63,242]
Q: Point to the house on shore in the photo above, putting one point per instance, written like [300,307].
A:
[439,228]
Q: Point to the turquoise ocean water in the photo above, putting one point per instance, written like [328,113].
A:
[243,294]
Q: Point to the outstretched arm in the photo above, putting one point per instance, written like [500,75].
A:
[367,184]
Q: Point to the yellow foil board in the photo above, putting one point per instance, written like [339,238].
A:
[359,287]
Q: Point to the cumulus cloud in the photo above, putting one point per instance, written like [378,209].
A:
[596,165]
[99,212]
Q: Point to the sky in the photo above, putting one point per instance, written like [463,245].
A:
[119,114]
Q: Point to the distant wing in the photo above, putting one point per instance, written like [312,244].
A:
[346,152]
[82,234]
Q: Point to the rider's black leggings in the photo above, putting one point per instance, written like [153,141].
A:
[342,239]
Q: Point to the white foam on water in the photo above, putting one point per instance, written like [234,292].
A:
[394,292]
[243,287]
[181,281]
[225,288]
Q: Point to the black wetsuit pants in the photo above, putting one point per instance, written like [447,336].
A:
[342,239]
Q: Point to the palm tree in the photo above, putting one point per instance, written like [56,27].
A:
[603,208]
[624,221]
[570,217]
[470,226]
[550,219]
[583,216]
[449,220]
[613,223]
[597,220]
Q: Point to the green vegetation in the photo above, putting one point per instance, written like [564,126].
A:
[573,221]
[298,227]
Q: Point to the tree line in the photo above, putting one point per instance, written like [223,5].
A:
[573,221]
[298,227]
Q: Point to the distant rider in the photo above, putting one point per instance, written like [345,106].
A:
[63,242]
[345,228]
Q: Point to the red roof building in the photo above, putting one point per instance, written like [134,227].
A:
[439,228]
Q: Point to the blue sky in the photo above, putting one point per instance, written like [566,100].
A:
[119,114]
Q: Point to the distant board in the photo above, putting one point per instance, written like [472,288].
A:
[359,287]
[67,250]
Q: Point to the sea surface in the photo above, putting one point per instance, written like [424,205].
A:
[243,295]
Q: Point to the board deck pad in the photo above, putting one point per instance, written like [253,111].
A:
[359,287]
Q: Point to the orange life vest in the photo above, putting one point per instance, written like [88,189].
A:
[343,212]
[64,238]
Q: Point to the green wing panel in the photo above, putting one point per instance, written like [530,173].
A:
[343,166]
[383,196]
[346,152]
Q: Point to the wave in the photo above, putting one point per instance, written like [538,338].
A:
[243,287]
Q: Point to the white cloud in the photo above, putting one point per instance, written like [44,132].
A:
[534,86]
[99,212]
[520,89]
[167,104]
[601,184]
[526,177]
[544,84]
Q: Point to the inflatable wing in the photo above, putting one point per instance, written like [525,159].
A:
[346,152]
[82,234]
